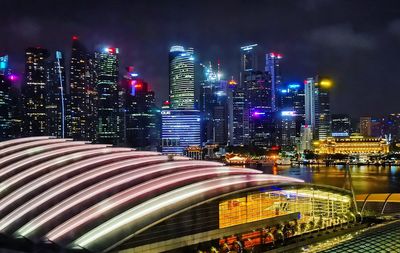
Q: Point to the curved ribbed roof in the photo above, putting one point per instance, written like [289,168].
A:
[80,195]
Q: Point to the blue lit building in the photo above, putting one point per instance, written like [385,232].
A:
[290,100]
[253,94]
[272,66]
[263,128]
[214,107]
[180,123]
[180,129]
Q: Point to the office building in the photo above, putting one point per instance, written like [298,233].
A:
[264,128]
[288,132]
[180,130]
[109,105]
[391,127]
[214,107]
[238,106]
[9,103]
[140,113]
[82,106]
[317,106]
[341,125]
[365,126]
[180,122]
[34,92]
[306,138]
[290,101]
[272,66]
[252,96]
[56,99]
[181,76]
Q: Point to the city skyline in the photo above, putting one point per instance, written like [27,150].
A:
[343,46]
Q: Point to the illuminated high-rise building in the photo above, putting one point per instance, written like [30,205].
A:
[272,66]
[214,107]
[82,106]
[390,126]
[323,122]
[34,92]
[258,131]
[341,125]
[310,102]
[181,122]
[9,103]
[254,101]
[181,78]
[365,126]
[180,130]
[141,114]
[317,106]
[249,58]
[109,106]
[290,101]
[56,97]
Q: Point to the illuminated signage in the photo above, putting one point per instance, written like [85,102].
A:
[3,62]
[288,113]
[249,47]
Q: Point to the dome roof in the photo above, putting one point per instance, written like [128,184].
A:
[93,196]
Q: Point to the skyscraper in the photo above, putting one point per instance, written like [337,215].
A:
[34,92]
[310,102]
[290,101]
[258,131]
[140,113]
[180,122]
[317,106]
[82,106]
[214,107]
[249,58]
[181,76]
[9,122]
[272,66]
[109,107]
[237,108]
[56,97]
[323,122]
[251,92]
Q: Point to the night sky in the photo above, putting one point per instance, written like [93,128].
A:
[357,43]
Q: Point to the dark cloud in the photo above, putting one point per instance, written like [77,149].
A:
[394,27]
[341,37]
[26,29]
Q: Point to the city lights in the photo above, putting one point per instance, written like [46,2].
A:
[171,127]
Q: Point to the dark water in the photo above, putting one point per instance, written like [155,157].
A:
[366,179]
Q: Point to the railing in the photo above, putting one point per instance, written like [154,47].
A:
[380,200]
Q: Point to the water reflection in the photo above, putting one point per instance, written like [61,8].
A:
[366,179]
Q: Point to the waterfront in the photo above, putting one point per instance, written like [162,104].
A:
[366,179]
